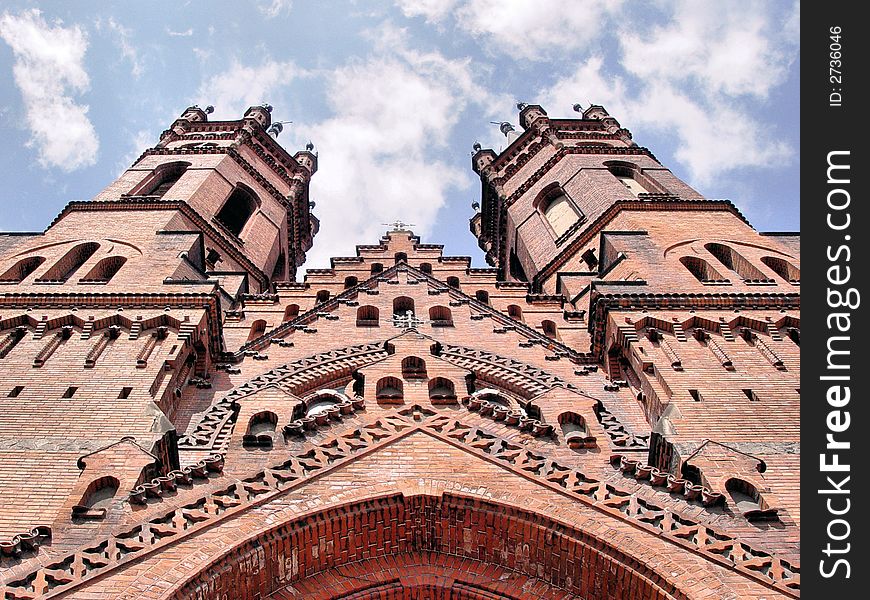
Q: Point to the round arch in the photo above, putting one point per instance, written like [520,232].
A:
[449,546]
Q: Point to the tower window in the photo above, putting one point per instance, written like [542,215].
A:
[377,268]
[426,268]
[550,330]
[21,270]
[322,296]
[559,211]
[258,328]
[161,179]
[482,296]
[413,367]
[350,282]
[291,312]
[628,175]
[237,210]
[515,312]
[401,256]
[453,282]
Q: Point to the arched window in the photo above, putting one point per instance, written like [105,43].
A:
[413,367]
[558,210]
[515,312]
[734,260]
[377,268]
[97,498]
[236,211]
[320,404]
[291,312]
[71,262]
[22,269]
[161,179]
[322,296]
[453,282]
[575,431]
[165,177]
[367,316]
[743,494]
[401,256]
[702,270]
[550,330]
[350,281]
[403,305]
[389,388]
[104,270]
[440,316]
[482,296]
[258,328]
[627,174]
[261,430]
[426,268]
[783,268]
[441,388]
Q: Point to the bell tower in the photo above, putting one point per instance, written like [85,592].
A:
[233,182]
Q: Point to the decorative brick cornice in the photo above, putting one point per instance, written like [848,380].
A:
[602,304]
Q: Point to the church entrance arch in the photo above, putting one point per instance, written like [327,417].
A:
[429,547]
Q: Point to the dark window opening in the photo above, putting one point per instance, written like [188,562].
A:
[15,392]
[22,269]
[124,393]
[237,210]
[70,392]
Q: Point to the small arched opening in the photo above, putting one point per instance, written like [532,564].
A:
[575,431]
[258,328]
[403,306]
[783,268]
[440,316]
[389,389]
[322,296]
[377,268]
[367,316]
[261,430]
[413,367]
[104,270]
[350,281]
[71,262]
[453,282]
[442,389]
[22,269]
[702,270]
[426,268]
[291,312]
[97,498]
[515,312]
[482,296]
[550,330]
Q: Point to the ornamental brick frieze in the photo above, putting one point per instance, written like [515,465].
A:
[55,575]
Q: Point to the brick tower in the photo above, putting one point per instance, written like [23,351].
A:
[609,412]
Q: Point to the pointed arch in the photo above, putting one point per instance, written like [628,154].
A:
[557,209]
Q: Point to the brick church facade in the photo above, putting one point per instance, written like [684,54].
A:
[610,411]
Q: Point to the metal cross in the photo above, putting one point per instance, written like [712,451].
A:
[407,320]
[398,225]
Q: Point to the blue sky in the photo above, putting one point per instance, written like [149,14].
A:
[394,93]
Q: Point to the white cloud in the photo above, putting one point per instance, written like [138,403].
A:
[185,33]
[49,70]
[519,28]
[432,10]
[241,86]
[139,142]
[381,153]
[714,135]
[122,40]
[273,8]
[732,48]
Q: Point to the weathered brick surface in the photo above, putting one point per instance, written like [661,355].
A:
[230,436]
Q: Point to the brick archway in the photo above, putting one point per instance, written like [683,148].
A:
[425,546]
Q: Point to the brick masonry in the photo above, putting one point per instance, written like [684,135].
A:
[195,424]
